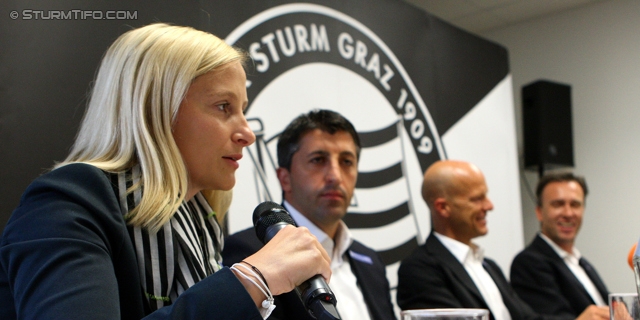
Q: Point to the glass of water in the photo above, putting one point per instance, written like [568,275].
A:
[445,314]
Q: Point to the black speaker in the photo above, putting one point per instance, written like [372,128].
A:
[548,137]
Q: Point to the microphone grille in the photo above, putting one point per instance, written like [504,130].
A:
[267,214]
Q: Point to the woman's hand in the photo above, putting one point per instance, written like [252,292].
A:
[293,256]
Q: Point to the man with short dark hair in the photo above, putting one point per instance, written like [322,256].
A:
[550,274]
[318,157]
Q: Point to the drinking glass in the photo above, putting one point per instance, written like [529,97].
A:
[445,314]
[624,306]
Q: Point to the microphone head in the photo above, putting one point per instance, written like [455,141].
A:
[268,214]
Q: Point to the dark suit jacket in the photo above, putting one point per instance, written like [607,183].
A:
[371,278]
[66,254]
[545,282]
[431,277]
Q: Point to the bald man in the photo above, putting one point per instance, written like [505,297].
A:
[449,271]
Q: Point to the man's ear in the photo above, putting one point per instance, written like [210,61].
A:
[284,176]
[442,207]
[539,213]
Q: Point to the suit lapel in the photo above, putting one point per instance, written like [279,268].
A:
[368,278]
[439,251]
[502,285]
[360,266]
[543,247]
[593,275]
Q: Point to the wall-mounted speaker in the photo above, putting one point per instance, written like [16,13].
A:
[548,135]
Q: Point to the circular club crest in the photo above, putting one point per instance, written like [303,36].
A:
[306,57]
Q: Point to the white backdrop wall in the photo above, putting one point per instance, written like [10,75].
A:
[596,50]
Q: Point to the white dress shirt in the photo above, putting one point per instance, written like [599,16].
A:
[471,258]
[572,260]
[351,304]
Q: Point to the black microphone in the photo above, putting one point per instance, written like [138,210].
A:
[316,296]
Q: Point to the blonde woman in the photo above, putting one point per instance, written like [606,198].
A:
[121,229]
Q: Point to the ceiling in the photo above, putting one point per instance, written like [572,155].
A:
[479,16]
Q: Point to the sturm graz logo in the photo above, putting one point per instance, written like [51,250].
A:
[309,56]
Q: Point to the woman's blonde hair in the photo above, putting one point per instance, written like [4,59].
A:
[143,78]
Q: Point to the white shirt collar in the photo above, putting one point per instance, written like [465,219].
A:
[343,238]
[561,252]
[471,258]
[460,251]
[344,283]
